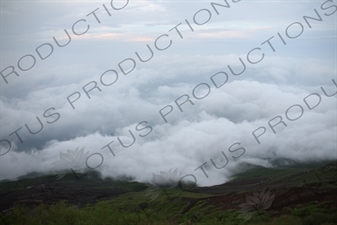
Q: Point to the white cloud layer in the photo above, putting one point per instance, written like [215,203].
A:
[217,129]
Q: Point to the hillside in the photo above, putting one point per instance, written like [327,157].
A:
[293,194]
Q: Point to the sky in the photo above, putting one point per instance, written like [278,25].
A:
[143,87]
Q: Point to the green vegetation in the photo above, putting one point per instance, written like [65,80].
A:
[259,171]
[134,208]
[131,202]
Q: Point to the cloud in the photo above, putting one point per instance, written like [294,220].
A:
[201,132]
[210,131]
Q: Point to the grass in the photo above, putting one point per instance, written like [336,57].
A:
[134,208]
[172,206]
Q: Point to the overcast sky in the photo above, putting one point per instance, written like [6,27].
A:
[288,60]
